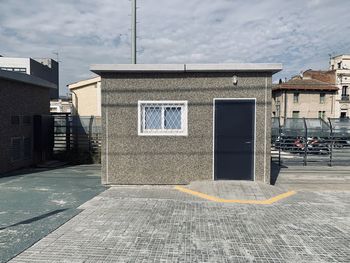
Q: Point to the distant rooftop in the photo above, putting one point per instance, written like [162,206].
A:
[346,56]
[305,84]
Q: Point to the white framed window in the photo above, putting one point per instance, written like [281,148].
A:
[162,118]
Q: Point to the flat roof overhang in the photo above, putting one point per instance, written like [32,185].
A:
[232,67]
[25,78]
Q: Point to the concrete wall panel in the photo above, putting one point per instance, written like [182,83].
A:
[131,159]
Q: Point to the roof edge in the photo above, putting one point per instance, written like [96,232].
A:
[101,68]
[229,67]
[84,82]
[28,79]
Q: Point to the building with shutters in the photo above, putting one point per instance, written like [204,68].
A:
[341,65]
[304,97]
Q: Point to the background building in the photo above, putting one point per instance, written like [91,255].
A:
[86,97]
[63,105]
[44,68]
[341,65]
[327,76]
[304,97]
[173,124]
[24,99]
[315,93]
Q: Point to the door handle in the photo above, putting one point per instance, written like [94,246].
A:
[248,142]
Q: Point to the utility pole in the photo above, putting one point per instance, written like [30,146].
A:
[133,32]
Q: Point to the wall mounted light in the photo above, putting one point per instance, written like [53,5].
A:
[234,80]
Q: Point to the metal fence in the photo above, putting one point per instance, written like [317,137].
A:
[311,141]
[76,134]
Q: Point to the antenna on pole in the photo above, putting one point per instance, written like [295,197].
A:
[57,55]
[133,32]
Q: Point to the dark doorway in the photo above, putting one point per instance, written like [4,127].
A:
[234,139]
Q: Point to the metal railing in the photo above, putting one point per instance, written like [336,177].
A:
[76,132]
[311,141]
[76,138]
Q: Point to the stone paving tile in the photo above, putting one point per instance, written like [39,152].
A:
[244,190]
[159,224]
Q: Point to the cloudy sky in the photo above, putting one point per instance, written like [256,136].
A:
[299,34]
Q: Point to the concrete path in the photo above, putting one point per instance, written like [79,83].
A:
[36,203]
[315,178]
[161,224]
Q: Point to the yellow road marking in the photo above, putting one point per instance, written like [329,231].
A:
[222,200]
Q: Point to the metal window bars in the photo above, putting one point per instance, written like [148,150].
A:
[163,118]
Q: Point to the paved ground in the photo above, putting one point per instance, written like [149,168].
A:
[315,178]
[244,190]
[34,204]
[160,224]
[340,157]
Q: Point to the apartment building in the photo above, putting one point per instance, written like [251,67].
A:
[43,68]
[315,93]
[303,96]
[341,65]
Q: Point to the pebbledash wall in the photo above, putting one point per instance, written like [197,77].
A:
[128,158]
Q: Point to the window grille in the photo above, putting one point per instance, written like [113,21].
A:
[162,118]
[27,148]
[16,148]
[295,114]
[15,120]
[296,97]
[27,120]
[322,114]
[322,97]
[21,70]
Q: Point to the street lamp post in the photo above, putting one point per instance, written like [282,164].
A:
[133,32]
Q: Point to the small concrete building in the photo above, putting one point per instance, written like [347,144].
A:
[24,99]
[173,124]
[86,97]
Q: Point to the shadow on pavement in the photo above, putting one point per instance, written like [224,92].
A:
[33,219]
[275,171]
[30,170]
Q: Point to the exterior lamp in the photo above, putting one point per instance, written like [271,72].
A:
[234,80]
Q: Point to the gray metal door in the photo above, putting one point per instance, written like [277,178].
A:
[234,133]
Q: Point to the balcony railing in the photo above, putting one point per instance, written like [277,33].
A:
[344,97]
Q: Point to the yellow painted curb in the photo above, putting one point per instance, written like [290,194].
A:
[222,200]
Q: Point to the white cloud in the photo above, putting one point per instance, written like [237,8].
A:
[300,34]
